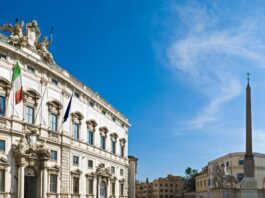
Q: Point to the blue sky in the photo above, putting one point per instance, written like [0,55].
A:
[176,69]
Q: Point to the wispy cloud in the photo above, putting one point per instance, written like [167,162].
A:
[208,53]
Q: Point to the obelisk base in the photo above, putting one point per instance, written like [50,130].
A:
[249,183]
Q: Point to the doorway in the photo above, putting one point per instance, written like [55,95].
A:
[103,190]
[30,185]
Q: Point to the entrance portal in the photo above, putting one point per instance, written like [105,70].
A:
[30,186]
[103,190]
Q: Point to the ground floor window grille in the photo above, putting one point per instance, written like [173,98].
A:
[2,180]
[53,183]
[75,185]
[90,186]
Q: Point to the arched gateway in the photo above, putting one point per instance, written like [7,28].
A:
[31,157]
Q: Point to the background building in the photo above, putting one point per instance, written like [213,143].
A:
[40,156]
[166,187]
[234,164]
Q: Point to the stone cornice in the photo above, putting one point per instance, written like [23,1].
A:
[66,77]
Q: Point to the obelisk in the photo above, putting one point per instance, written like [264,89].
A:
[249,181]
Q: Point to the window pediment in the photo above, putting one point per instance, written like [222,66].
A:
[55,168]
[123,141]
[91,174]
[91,124]
[77,116]
[31,96]
[76,172]
[3,161]
[54,105]
[103,131]
[114,136]
[5,86]
[122,180]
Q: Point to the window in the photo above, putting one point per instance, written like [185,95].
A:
[222,165]
[122,150]
[53,183]
[54,155]
[30,69]
[90,137]
[113,170]
[209,182]
[121,189]
[77,95]
[113,119]
[76,131]
[121,172]
[54,82]
[90,164]
[2,145]
[103,112]
[227,164]
[239,176]
[241,162]
[2,180]
[113,188]
[75,160]
[75,185]
[103,142]
[54,122]
[29,114]
[90,186]
[91,104]
[2,105]
[2,57]
[113,146]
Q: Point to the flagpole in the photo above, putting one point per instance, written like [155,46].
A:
[40,105]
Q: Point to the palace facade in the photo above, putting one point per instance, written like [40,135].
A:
[40,156]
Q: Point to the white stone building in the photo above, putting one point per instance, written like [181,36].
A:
[87,156]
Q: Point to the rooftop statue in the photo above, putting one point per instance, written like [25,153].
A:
[29,38]
[32,33]
[42,48]
[17,36]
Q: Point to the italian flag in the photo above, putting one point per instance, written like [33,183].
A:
[17,83]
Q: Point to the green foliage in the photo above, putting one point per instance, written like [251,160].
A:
[190,179]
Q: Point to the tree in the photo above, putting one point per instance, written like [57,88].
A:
[190,179]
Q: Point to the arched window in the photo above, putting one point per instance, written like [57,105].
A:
[91,128]
[77,118]
[31,98]
[54,109]
[5,87]
[103,137]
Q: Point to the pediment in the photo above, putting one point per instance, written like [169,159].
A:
[122,180]
[91,174]
[3,161]
[77,171]
[54,168]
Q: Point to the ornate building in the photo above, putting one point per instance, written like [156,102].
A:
[40,156]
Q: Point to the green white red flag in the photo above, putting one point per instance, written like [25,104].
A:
[17,83]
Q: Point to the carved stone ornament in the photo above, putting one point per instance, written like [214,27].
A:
[102,171]
[31,146]
[29,38]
